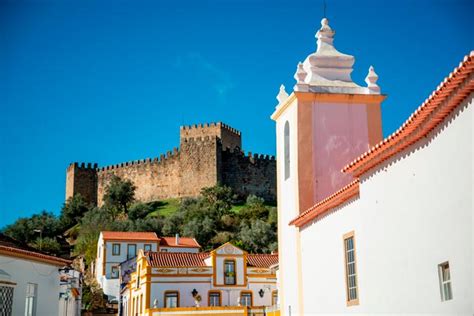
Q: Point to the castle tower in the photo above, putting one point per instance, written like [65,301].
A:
[82,179]
[325,122]
[230,137]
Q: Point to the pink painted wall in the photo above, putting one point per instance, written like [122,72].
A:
[340,134]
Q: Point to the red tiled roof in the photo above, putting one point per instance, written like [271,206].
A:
[9,246]
[262,260]
[177,259]
[448,95]
[347,192]
[146,236]
[184,242]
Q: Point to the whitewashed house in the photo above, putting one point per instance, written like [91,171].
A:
[32,283]
[226,277]
[113,248]
[370,225]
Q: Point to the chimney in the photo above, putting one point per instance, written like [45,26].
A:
[177,239]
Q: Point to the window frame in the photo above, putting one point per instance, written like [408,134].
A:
[233,261]
[214,292]
[274,298]
[445,296]
[166,293]
[242,293]
[116,268]
[33,295]
[350,301]
[145,246]
[114,253]
[128,252]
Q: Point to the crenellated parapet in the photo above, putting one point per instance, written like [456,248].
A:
[205,152]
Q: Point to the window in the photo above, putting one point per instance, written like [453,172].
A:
[246,298]
[131,251]
[30,304]
[114,273]
[164,250]
[171,299]
[229,272]
[287,149]
[214,299]
[352,297]
[147,247]
[445,282]
[115,249]
[141,303]
[274,298]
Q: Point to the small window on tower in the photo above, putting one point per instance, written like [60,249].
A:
[287,149]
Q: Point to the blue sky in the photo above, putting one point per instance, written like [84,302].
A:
[112,81]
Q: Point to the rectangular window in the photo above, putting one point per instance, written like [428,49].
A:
[147,247]
[214,299]
[352,295]
[274,298]
[171,299]
[115,249]
[131,251]
[229,272]
[246,298]
[114,273]
[31,294]
[445,282]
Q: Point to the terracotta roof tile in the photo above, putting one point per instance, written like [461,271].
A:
[344,194]
[177,259]
[262,260]
[108,235]
[447,96]
[184,242]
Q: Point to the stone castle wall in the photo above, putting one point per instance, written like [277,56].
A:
[207,155]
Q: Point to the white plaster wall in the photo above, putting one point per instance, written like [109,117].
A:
[413,213]
[185,289]
[110,286]
[287,210]
[44,275]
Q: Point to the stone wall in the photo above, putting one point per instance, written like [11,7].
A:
[82,179]
[212,157]
[249,174]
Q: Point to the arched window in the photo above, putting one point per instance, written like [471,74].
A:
[287,150]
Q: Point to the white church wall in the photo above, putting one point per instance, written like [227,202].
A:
[414,213]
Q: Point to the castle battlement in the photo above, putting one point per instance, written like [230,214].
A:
[208,154]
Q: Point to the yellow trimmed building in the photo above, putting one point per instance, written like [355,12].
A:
[226,281]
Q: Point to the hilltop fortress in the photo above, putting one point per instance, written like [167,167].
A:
[208,154]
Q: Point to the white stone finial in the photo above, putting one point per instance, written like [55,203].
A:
[325,34]
[300,76]
[282,95]
[371,81]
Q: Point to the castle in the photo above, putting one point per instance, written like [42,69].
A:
[208,154]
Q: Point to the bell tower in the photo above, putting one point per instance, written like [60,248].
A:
[324,123]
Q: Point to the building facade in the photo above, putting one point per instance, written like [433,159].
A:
[177,282]
[208,155]
[33,283]
[114,248]
[392,218]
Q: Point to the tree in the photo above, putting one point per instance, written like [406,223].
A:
[258,236]
[26,230]
[218,198]
[73,210]
[46,244]
[92,223]
[119,194]
[139,210]
[203,230]
[254,208]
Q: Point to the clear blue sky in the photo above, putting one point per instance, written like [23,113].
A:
[112,81]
